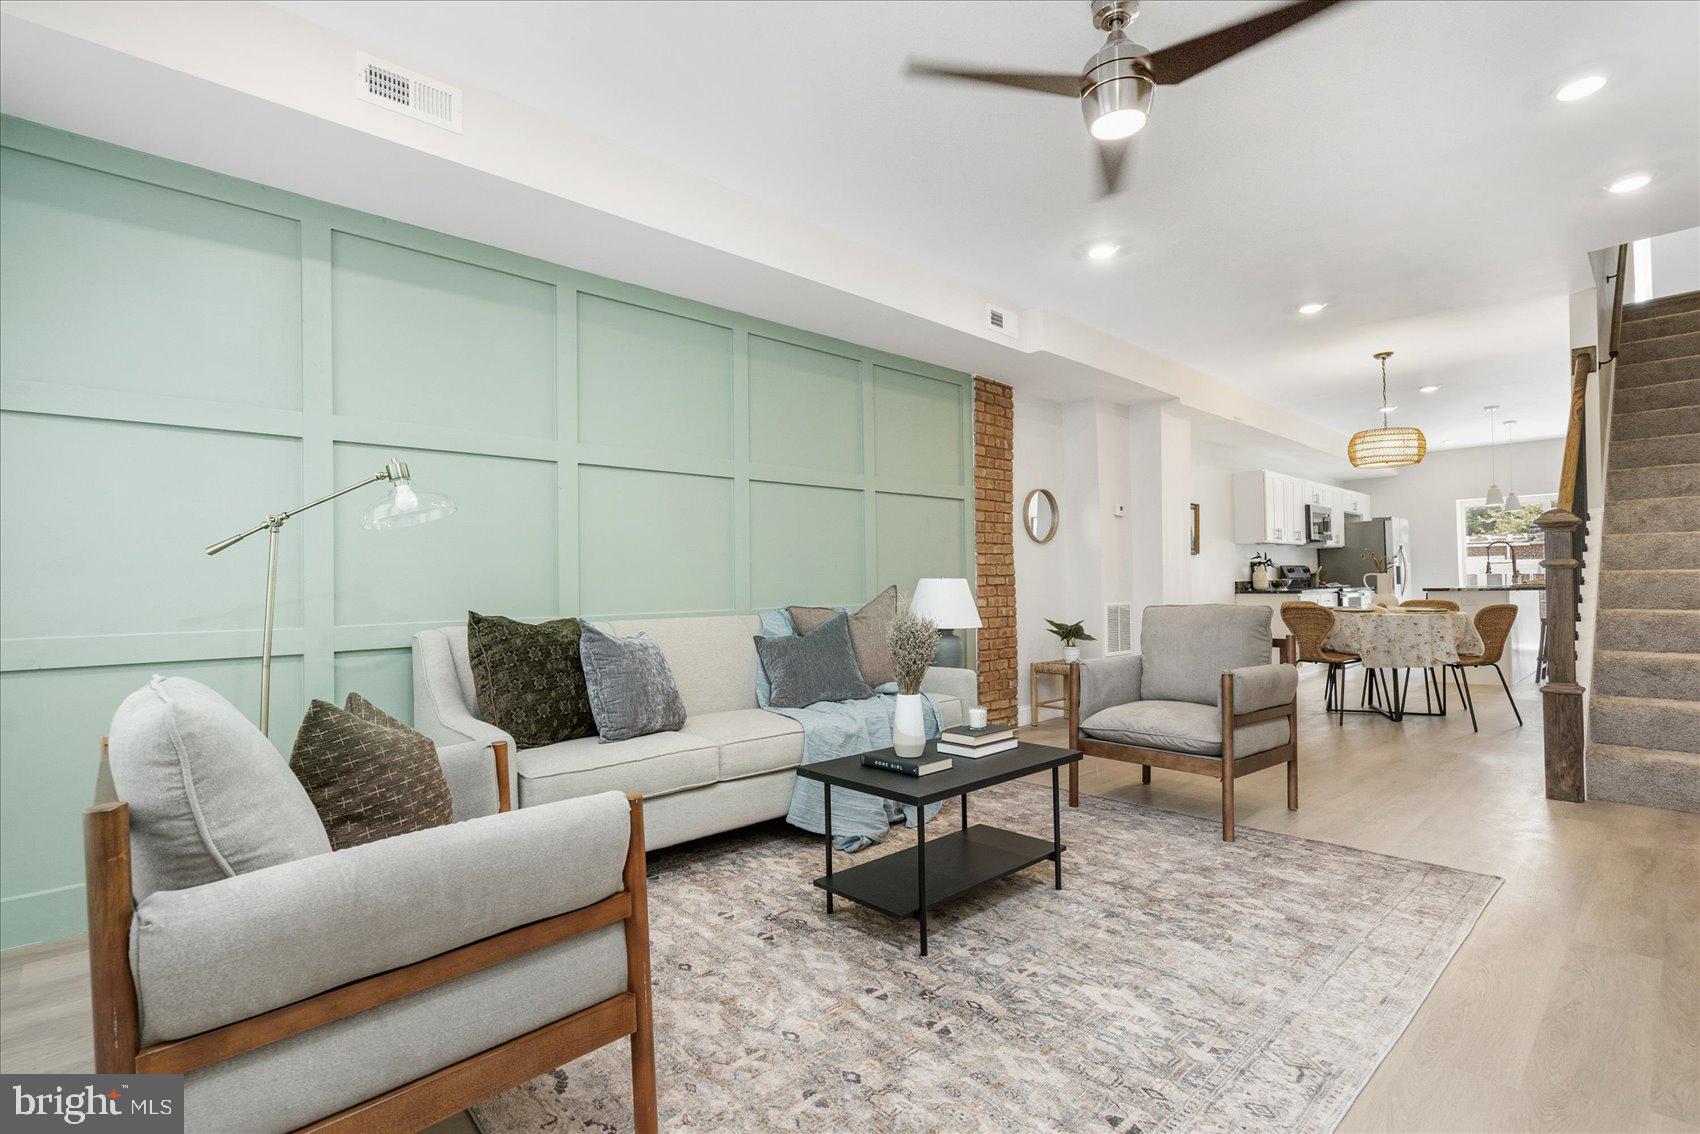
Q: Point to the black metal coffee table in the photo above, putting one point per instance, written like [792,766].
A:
[908,882]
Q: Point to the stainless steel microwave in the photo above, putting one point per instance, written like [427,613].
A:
[1319,523]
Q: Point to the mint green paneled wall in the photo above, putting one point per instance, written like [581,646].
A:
[182,353]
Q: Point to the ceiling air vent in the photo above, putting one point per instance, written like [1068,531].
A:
[1001,321]
[407,92]
[1118,628]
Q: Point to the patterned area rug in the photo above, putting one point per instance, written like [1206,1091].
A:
[1177,983]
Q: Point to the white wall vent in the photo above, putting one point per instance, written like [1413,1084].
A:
[407,92]
[1118,628]
[1002,321]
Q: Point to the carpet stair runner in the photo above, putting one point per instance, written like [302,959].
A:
[1644,727]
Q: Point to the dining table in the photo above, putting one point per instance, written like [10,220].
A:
[1392,641]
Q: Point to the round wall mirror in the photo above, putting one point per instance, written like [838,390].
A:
[1039,515]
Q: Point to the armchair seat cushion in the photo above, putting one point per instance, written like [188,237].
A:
[657,764]
[1181,726]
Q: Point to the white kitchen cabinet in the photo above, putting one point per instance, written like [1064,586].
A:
[1269,507]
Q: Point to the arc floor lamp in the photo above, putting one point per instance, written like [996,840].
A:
[403,507]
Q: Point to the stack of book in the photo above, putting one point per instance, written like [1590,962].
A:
[975,742]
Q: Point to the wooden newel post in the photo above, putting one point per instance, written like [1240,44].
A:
[1561,697]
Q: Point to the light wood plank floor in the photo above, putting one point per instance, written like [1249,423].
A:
[1574,1005]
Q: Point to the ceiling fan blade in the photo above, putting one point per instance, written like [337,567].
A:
[1112,160]
[1184,60]
[1042,81]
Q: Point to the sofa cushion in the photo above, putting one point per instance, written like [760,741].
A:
[1181,726]
[806,669]
[713,660]
[632,691]
[1187,649]
[209,796]
[869,630]
[369,776]
[751,741]
[657,764]
[528,678]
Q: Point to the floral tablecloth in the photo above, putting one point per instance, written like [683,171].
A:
[1400,639]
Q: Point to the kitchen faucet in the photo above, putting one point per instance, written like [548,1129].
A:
[1509,549]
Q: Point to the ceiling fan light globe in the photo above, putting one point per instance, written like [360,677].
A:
[1117,108]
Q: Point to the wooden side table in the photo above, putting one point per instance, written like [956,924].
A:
[1060,701]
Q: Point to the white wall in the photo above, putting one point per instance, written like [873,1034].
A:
[1428,495]
[1676,262]
[1042,570]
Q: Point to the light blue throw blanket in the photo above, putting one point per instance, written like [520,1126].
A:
[842,728]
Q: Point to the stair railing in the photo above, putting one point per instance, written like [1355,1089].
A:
[1565,528]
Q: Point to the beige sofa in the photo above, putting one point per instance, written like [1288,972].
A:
[733,764]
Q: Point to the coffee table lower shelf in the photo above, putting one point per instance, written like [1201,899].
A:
[956,863]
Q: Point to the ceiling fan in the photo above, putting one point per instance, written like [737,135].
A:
[1115,86]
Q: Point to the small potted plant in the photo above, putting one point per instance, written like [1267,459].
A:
[1070,633]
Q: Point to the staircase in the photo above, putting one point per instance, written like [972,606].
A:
[1644,734]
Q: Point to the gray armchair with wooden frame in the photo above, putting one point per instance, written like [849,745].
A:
[381,987]
[1201,696]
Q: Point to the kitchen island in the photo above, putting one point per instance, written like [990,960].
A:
[1523,647]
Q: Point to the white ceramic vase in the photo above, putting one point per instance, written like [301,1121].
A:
[909,725]
[1071,653]
[1382,582]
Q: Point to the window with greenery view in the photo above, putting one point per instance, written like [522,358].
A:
[1484,531]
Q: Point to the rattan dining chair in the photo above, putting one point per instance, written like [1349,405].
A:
[1493,624]
[1429,604]
[1311,624]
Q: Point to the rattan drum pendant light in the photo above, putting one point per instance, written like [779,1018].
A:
[1390,447]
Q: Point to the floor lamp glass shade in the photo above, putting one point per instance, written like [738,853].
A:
[406,506]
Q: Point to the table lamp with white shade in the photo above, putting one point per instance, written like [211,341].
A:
[950,605]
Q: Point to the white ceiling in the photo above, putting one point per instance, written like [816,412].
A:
[1404,162]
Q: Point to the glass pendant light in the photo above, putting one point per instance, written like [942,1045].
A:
[1495,498]
[1512,503]
[1390,447]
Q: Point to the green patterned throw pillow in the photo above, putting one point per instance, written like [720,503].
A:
[369,776]
[528,678]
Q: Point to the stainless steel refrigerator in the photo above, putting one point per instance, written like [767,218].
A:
[1386,536]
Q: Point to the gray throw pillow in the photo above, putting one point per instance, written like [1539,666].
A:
[368,775]
[870,628]
[209,796]
[813,667]
[632,692]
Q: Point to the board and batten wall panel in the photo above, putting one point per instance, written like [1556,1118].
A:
[182,353]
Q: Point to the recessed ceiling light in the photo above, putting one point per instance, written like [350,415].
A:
[1581,88]
[1427,389]
[1631,183]
[1102,250]
[1386,409]
[1311,308]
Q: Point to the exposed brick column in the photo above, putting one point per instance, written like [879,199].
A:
[994,550]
